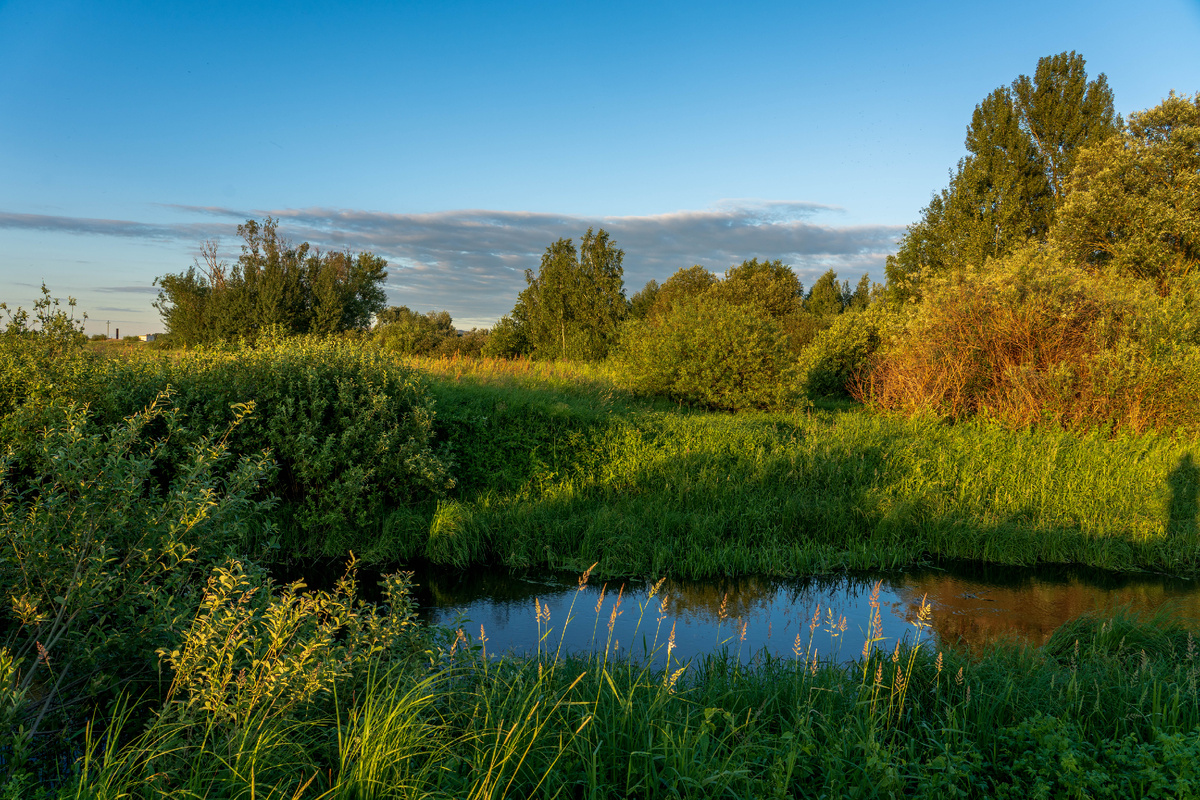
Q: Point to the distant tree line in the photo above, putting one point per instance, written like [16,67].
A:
[407,332]
[719,341]
[1054,278]
[273,284]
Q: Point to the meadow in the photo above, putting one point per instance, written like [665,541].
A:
[557,467]
[149,653]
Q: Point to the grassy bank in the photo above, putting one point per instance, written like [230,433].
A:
[1107,708]
[556,467]
[148,653]
[531,464]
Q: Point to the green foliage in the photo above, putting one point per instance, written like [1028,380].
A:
[1007,722]
[273,285]
[1133,208]
[506,339]
[100,557]
[837,356]
[708,352]
[827,297]
[408,333]
[564,474]
[571,308]
[769,289]
[251,651]
[1021,144]
[41,359]
[687,283]
[641,303]
[349,425]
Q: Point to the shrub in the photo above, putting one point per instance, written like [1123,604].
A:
[835,357]
[507,339]
[1031,339]
[43,362]
[706,351]
[349,425]
[411,334]
[468,345]
[99,561]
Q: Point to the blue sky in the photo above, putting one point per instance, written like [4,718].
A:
[458,139]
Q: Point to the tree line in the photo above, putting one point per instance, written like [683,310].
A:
[274,284]
[1061,213]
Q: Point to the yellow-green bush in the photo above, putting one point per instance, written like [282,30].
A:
[708,352]
[833,361]
[349,425]
[1031,339]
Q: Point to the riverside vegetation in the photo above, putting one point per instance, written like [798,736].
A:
[149,654]
[1030,401]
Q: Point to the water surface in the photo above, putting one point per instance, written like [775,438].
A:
[828,615]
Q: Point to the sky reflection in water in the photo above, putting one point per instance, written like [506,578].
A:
[968,605]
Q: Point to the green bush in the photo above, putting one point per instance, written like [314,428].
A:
[349,425]
[507,339]
[709,352]
[99,561]
[836,355]
[408,333]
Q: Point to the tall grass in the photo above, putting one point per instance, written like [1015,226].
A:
[551,464]
[1108,707]
[567,477]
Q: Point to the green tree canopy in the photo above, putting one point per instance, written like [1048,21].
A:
[1021,145]
[641,302]
[571,308]
[1133,201]
[828,297]
[691,282]
[770,289]
[272,284]
[412,334]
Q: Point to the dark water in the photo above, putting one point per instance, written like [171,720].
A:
[829,615]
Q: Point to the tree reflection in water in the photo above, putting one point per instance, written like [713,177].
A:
[970,606]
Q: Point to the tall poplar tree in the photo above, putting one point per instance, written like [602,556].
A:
[571,307]
[1021,144]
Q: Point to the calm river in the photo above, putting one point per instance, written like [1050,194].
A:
[828,615]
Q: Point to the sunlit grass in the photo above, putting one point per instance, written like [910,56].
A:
[564,477]
[1107,703]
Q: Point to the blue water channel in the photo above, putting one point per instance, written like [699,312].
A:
[829,617]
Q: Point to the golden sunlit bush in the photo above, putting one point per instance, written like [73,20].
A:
[1033,340]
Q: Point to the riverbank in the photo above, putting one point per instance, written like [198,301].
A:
[152,527]
[556,468]
[1106,708]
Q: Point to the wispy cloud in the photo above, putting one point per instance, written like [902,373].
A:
[472,262]
[147,289]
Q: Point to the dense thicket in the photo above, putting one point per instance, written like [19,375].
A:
[733,342]
[273,285]
[401,330]
[1096,323]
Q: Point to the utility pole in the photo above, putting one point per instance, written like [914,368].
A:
[106,331]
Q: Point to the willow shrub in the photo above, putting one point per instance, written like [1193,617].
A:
[1032,340]
[349,425]
[708,352]
[98,561]
[834,359]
